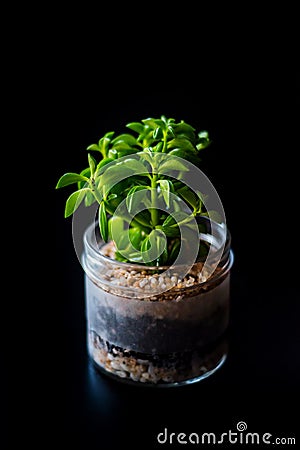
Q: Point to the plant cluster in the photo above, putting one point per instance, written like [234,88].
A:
[136,180]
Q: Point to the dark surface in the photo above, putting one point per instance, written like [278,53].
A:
[251,164]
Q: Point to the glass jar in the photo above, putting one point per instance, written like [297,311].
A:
[140,335]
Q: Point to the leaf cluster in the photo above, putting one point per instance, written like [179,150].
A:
[135,178]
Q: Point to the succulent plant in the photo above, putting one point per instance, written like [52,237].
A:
[136,180]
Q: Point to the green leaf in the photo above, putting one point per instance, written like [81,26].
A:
[146,154]
[104,143]
[120,257]
[157,240]
[124,138]
[203,134]
[93,147]
[171,131]
[103,163]
[158,133]
[181,143]
[158,148]
[203,140]
[136,236]
[120,187]
[171,231]
[122,145]
[89,199]
[146,137]
[175,218]
[112,154]
[129,151]
[85,173]
[145,244]
[188,195]
[176,206]
[115,226]
[170,220]
[113,174]
[74,201]
[203,144]
[122,241]
[184,154]
[135,165]
[70,178]
[111,197]
[186,220]
[165,189]
[143,218]
[103,225]
[182,129]
[154,123]
[92,164]
[153,246]
[109,135]
[132,201]
[172,164]
[136,126]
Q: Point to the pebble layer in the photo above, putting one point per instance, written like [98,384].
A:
[155,286]
[154,369]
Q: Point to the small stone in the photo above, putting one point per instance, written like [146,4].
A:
[143,283]
[115,365]
[168,379]
[122,281]
[151,370]
[142,361]
[121,374]
[125,367]
[153,281]
[134,376]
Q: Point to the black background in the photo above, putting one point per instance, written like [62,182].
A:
[247,101]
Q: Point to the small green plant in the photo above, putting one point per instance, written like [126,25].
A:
[136,180]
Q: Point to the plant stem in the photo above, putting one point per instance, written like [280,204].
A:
[96,194]
[154,210]
[165,142]
[141,222]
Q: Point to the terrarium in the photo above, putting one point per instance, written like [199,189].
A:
[157,255]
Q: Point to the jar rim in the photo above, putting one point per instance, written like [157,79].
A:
[90,243]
